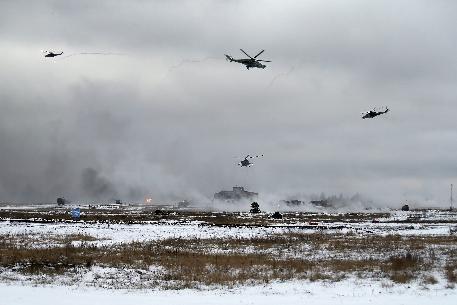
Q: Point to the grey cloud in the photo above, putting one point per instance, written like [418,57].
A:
[166,120]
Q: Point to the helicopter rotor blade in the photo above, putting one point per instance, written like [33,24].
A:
[256,156]
[259,53]
[263,60]
[246,54]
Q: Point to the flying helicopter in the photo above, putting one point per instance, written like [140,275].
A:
[246,163]
[51,54]
[373,113]
[251,62]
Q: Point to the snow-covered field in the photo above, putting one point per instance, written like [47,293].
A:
[117,233]
[297,292]
[105,283]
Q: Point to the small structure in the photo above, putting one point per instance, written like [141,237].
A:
[405,207]
[238,193]
[451,208]
[276,215]
[159,212]
[61,201]
[76,213]
[255,208]
[118,202]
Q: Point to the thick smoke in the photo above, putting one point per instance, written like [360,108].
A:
[96,186]
[270,203]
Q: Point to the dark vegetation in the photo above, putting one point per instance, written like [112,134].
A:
[151,214]
[211,218]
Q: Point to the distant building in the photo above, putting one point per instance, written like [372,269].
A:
[238,193]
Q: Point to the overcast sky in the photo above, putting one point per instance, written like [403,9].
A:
[164,115]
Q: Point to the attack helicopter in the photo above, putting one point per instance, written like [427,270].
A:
[373,113]
[51,54]
[246,163]
[251,62]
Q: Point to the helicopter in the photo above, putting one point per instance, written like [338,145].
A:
[51,54]
[246,163]
[251,62]
[373,113]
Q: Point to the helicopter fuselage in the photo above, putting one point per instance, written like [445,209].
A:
[245,162]
[50,54]
[371,114]
[248,62]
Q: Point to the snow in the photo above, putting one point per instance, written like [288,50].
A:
[17,289]
[296,292]
[119,233]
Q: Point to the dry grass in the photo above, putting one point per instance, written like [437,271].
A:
[430,280]
[403,268]
[404,262]
[194,262]
[227,261]
[188,263]
[402,277]
[451,273]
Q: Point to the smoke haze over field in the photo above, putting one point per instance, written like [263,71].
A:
[165,120]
